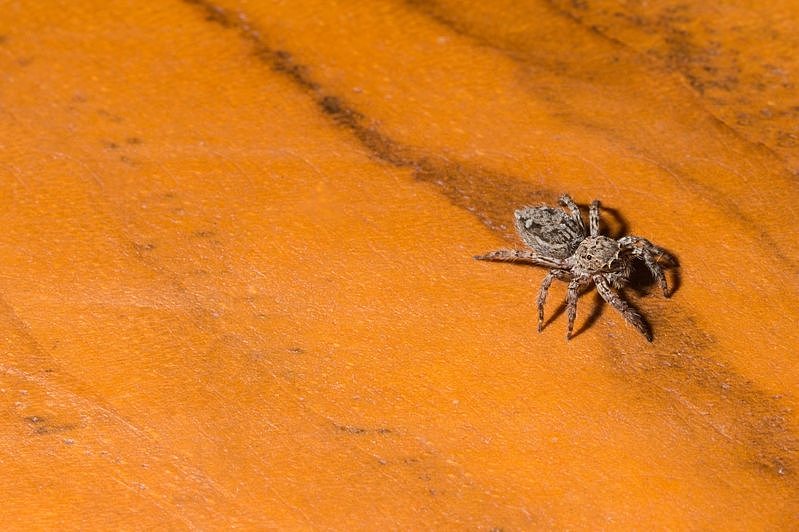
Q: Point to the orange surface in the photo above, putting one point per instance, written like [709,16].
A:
[236,274]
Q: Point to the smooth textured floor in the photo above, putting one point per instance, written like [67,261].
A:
[236,274]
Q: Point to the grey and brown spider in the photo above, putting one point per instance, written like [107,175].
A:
[560,241]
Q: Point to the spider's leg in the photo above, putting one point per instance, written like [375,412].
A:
[593,218]
[650,253]
[656,270]
[571,304]
[542,293]
[518,255]
[616,301]
[568,202]
[638,243]
[542,297]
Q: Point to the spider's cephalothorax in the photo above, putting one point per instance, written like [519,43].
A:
[581,256]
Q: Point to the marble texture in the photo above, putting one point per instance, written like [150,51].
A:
[236,274]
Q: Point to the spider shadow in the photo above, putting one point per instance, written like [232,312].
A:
[596,312]
[616,228]
[642,282]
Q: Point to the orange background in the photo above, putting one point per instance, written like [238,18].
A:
[236,274]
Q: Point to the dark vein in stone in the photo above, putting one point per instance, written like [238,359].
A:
[691,82]
[488,195]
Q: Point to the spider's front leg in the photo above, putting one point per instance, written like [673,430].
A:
[650,253]
[542,293]
[518,255]
[571,304]
[616,301]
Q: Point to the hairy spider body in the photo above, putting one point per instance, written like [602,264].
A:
[551,232]
[581,257]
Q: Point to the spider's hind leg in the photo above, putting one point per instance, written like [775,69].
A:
[593,218]
[542,293]
[568,202]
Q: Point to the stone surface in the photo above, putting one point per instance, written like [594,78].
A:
[236,274]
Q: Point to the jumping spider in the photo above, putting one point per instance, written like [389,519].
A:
[561,242]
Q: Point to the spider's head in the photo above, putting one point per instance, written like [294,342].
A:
[599,254]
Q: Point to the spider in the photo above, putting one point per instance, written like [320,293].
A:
[561,242]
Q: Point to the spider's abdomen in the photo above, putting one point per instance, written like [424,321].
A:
[597,253]
[550,232]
